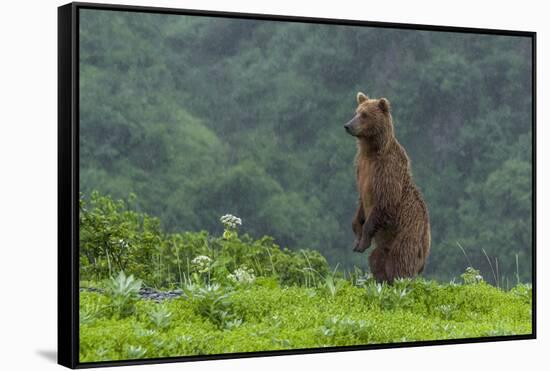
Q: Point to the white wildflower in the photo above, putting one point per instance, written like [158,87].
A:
[201,263]
[230,221]
[471,276]
[242,275]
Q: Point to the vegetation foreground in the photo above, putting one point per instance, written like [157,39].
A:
[265,316]
[244,295]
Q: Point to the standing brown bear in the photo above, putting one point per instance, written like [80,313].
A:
[391,208]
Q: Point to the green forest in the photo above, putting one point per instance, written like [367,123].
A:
[192,118]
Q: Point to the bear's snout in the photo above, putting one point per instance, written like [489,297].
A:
[351,127]
[347,127]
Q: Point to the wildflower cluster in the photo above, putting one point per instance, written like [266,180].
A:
[471,276]
[242,275]
[230,225]
[201,263]
[230,221]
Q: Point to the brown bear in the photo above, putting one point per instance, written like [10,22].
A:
[391,208]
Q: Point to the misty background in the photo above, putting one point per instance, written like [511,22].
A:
[204,116]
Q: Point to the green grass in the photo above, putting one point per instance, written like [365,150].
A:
[242,294]
[214,319]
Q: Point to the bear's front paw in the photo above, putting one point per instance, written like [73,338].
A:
[363,244]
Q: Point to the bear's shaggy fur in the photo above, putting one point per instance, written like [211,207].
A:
[391,208]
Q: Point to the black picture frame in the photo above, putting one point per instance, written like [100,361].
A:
[68,180]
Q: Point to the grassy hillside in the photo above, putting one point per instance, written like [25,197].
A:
[214,319]
[237,294]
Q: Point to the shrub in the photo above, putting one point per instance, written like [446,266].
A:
[113,238]
[160,317]
[347,329]
[213,303]
[471,276]
[123,292]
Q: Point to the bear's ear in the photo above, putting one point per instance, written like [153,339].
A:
[361,98]
[384,105]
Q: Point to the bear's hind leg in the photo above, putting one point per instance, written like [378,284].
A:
[377,264]
[404,259]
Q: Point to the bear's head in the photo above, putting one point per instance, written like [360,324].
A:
[372,121]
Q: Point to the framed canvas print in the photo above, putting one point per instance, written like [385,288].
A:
[238,185]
